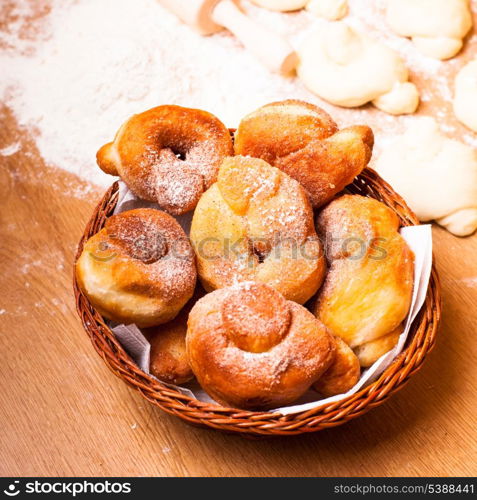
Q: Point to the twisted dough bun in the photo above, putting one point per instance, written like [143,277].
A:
[368,288]
[251,348]
[139,268]
[342,375]
[168,154]
[436,175]
[256,224]
[302,140]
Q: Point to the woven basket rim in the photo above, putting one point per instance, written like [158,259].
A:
[421,340]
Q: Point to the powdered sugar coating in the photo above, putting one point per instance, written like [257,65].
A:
[273,377]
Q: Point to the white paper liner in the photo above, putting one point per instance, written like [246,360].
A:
[419,239]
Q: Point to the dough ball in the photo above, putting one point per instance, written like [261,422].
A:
[465,98]
[437,176]
[348,68]
[437,27]
[281,5]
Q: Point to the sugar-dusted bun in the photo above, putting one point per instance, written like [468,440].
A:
[256,224]
[140,268]
[302,140]
[168,154]
[251,348]
[367,291]
[342,375]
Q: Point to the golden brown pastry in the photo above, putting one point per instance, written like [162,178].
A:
[256,224]
[168,154]
[368,288]
[251,348]
[169,361]
[302,140]
[140,268]
[342,375]
[369,352]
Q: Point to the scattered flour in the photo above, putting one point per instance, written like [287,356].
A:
[82,67]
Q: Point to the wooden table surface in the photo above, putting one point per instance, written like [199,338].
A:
[64,413]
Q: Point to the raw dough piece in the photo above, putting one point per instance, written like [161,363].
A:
[348,68]
[281,5]
[437,176]
[329,9]
[437,27]
[465,98]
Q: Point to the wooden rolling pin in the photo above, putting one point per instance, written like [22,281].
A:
[210,16]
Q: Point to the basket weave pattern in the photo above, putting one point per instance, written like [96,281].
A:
[420,341]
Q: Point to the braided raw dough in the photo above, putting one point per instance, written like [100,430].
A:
[303,141]
[168,154]
[437,27]
[367,291]
[465,97]
[437,176]
[348,68]
[140,268]
[256,224]
[251,348]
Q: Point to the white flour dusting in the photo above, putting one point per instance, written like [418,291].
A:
[76,73]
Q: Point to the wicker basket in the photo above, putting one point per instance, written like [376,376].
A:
[420,341]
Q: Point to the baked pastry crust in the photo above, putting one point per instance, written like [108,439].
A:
[251,348]
[256,224]
[342,375]
[371,351]
[303,141]
[140,268]
[168,154]
[367,291]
